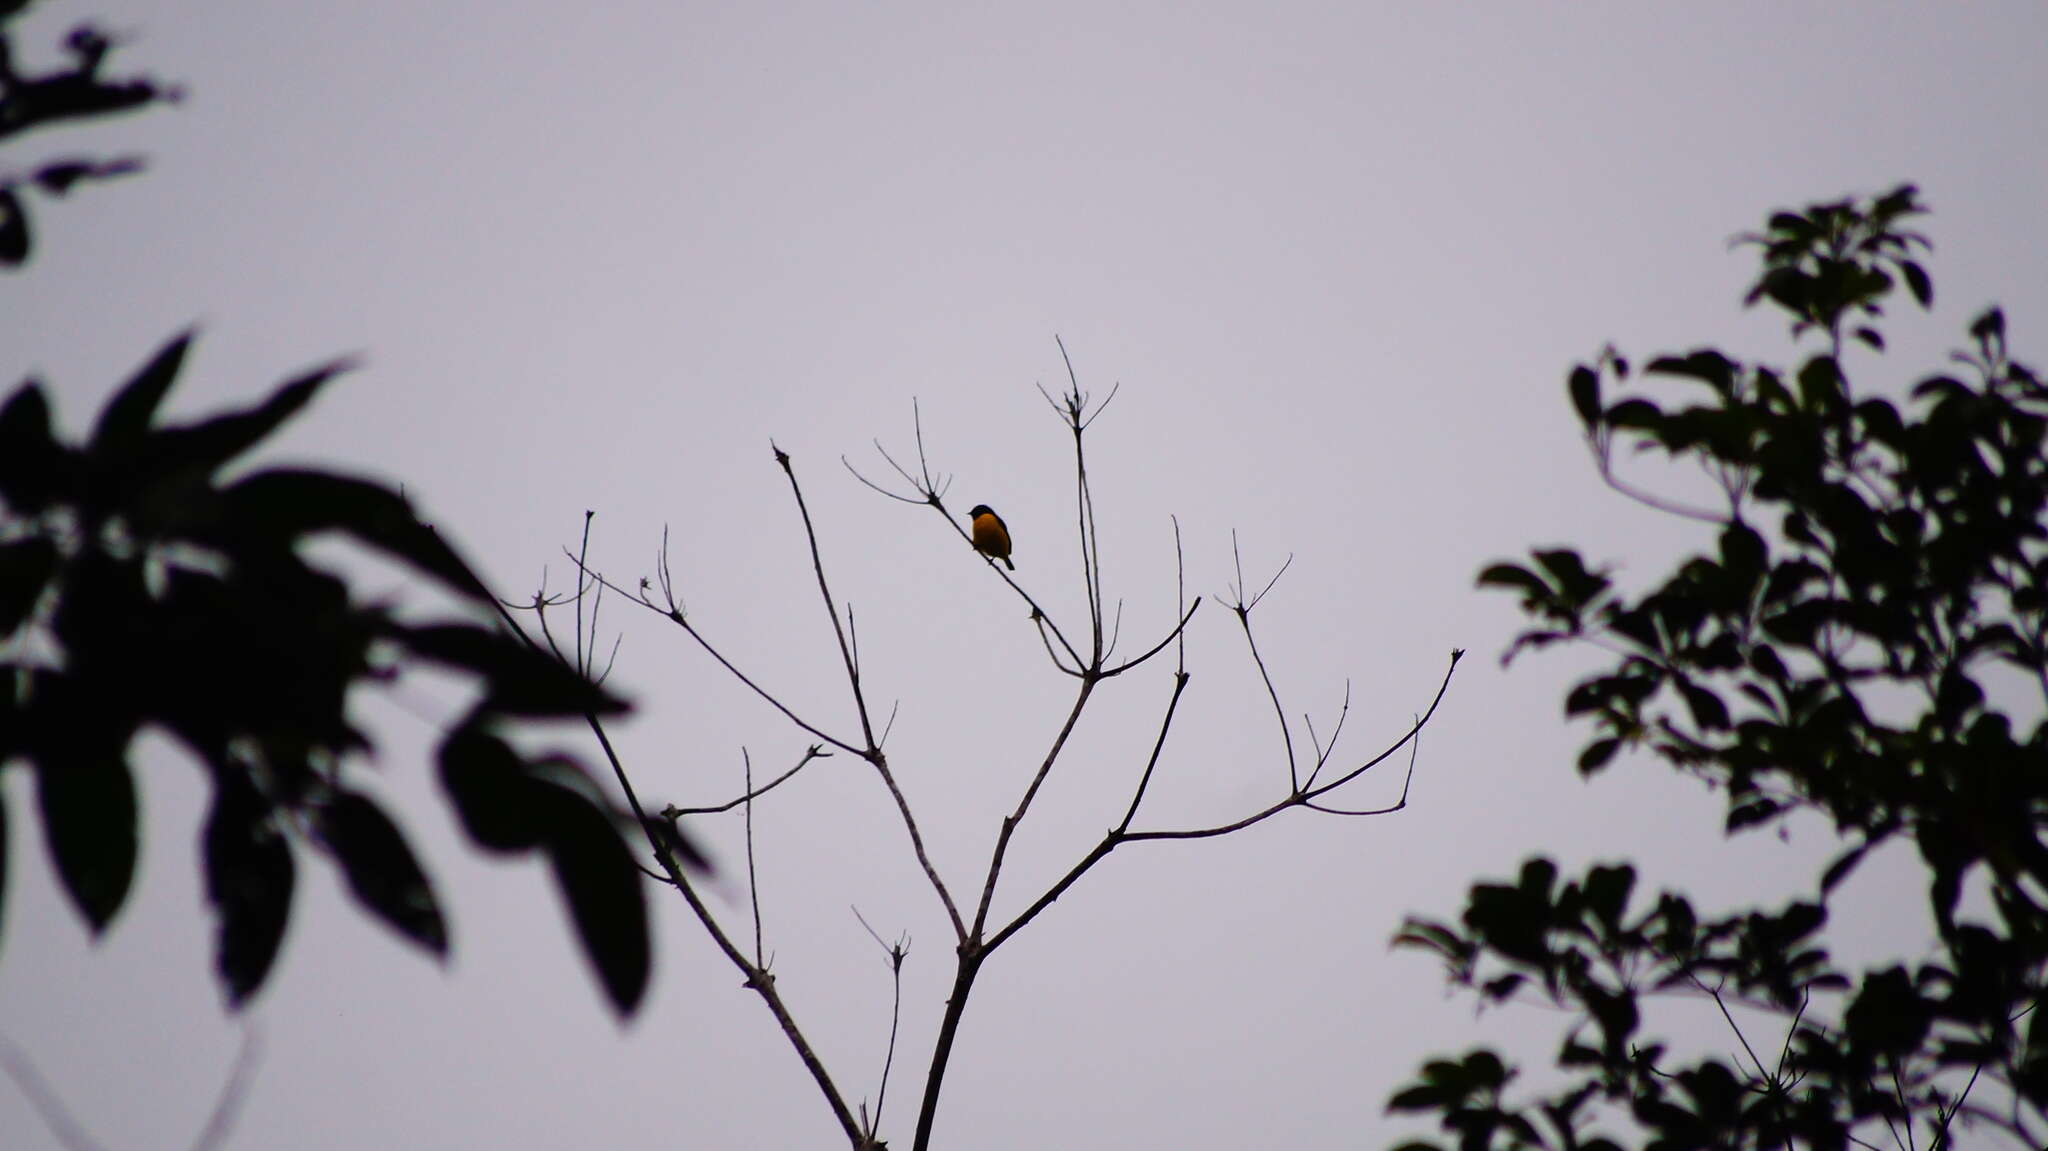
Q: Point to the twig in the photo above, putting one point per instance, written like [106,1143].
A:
[753,879]
[233,1093]
[896,952]
[762,983]
[48,1105]
[815,751]
[1244,619]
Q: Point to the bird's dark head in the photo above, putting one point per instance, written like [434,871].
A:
[980,510]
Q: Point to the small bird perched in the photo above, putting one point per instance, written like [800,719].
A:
[991,535]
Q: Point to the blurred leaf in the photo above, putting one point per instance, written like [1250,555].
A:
[1918,282]
[1584,387]
[1597,754]
[25,570]
[291,503]
[519,679]
[127,417]
[381,868]
[1843,865]
[14,242]
[58,179]
[602,886]
[497,799]
[679,846]
[207,446]
[89,821]
[1512,576]
[249,880]
[1705,365]
[32,465]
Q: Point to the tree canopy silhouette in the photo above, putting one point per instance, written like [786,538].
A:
[1865,637]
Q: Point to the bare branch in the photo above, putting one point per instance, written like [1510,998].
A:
[896,952]
[1303,798]
[1157,647]
[924,859]
[1244,619]
[995,864]
[860,702]
[753,877]
[889,725]
[877,487]
[757,977]
[1414,749]
[1323,753]
[675,616]
[815,751]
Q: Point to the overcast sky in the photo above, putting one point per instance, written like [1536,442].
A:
[1339,258]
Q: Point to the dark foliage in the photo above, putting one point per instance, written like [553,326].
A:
[139,588]
[77,91]
[1867,552]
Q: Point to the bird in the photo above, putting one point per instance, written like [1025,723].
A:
[991,535]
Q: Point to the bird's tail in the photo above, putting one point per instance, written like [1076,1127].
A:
[1008,564]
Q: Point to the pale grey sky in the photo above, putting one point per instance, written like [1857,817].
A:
[1339,258]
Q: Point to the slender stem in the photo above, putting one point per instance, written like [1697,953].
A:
[48,1105]
[814,752]
[942,1049]
[1244,619]
[233,1094]
[1304,798]
[758,979]
[995,863]
[924,860]
[753,876]
[831,607]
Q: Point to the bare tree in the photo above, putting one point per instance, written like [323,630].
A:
[1086,655]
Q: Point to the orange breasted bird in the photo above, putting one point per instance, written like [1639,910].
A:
[991,535]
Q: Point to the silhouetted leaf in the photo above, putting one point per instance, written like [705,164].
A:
[1512,576]
[602,886]
[1707,709]
[1751,813]
[494,794]
[679,846]
[1705,365]
[249,880]
[1918,282]
[127,417]
[1585,393]
[1597,754]
[89,821]
[1577,584]
[381,869]
[58,178]
[208,445]
[1607,890]
[290,503]
[25,569]
[14,242]
[32,464]
[519,680]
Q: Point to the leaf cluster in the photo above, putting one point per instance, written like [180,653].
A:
[1872,605]
[145,585]
[77,91]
